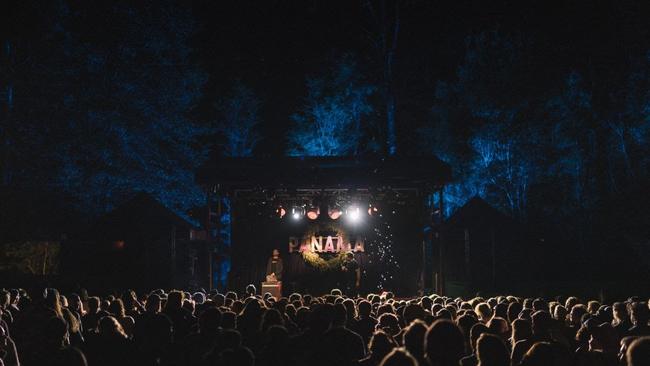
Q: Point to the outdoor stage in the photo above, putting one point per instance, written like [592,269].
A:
[386,211]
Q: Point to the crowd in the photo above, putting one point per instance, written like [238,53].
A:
[211,328]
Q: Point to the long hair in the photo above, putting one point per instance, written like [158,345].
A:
[73,322]
[52,301]
[110,327]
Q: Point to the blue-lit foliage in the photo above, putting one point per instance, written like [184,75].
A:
[331,122]
[128,128]
[238,121]
[492,161]
[510,145]
[237,124]
[570,145]
[631,128]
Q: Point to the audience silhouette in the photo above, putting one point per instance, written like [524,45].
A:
[202,328]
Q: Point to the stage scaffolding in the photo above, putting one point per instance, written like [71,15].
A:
[268,181]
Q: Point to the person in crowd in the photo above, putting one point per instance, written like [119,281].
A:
[413,340]
[444,343]
[475,333]
[200,342]
[274,266]
[152,334]
[640,315]
[521,330]
[111,346]
[132,306]
[541,322]
[182,319]
[399,357]
[199,328]
[348,344]
[540,354]
[275,349]
[351,272]
[638,354]
[90,320]
[117,310]
[8,351]
[491,350]
[381,344]
[621,321]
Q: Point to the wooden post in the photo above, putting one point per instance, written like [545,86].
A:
[217,238]
[424,267]
[208,234]
[425,217]
[494,258]
[468,257]
[441,246]
[172,269]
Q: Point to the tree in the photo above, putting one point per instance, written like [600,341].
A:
[127,108]
[31,43]
[571,143]
[331,121]
[631,128]
[239,121]
[492,158]
[384,37]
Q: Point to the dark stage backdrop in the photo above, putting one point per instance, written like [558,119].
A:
[391,259]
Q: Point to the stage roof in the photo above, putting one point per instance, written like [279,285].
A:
[326,173]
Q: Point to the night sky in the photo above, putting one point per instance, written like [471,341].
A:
[273,44]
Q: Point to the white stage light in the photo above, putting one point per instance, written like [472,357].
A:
[297,213]
[354,213]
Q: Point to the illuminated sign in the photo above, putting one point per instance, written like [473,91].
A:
[324,244]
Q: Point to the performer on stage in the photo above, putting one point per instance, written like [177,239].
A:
[352,274]
[274,265]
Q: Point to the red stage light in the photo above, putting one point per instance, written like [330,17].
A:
[280,212]
[335,213]
[119,244]
[313,213]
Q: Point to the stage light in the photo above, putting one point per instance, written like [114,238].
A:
[280,212]
[372,210]
[297,213]
[353,213]
[334,212]
[313,213]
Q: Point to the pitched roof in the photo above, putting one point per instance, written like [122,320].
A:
[476,211]
[140,208]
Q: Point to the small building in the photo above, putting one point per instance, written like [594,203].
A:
[483,249]
[142,244]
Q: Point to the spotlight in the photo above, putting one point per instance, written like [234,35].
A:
[297,213]
[334,212]
[353,213]
[372,210]
[280,212]
[313,213]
